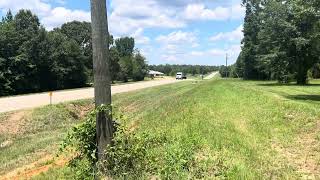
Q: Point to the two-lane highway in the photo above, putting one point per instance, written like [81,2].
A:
[40,99]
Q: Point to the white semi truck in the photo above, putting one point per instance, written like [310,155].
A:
[181,75]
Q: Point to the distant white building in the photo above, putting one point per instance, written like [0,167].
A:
[152,73]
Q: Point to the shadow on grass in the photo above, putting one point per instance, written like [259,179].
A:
[291,84]
[304,97]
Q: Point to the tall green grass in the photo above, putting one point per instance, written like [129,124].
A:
[238,123]
[229,129]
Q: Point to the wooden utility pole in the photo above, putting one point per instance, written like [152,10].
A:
[102,87]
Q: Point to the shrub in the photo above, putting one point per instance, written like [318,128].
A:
[81,141]
[132,155]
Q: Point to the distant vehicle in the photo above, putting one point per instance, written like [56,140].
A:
[181,75]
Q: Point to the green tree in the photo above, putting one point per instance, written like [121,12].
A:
[125,46]
[8,17]
[251,29]
[78,31]
[37,52]
[9,45]
[306,21]
[315,71]
[275,41]
[114,63]
[139,67]
[125,72]
[81,33]
[33,60]
[281,39]
[171,70]
[67,62]
[21,61]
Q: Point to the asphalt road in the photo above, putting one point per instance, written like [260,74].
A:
[40,99]
[14,103]
[212,75]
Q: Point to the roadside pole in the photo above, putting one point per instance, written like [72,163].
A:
[101,71]
[50,95]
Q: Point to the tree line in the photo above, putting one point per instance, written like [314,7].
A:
[33,59]
[281,41]
[171,70]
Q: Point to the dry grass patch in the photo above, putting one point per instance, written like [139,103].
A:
[13,123]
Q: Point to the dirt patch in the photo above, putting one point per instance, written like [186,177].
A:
[22,170]
[36,168]
[133,107]
[133,126]
[14,123]
[304,153]
[79,111]
[241,125]
[208,164]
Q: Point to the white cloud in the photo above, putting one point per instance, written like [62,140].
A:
[49,17]
[171,58]
[60,15]
[194,45]
[178,47]
[200,12]
[232,51]
[238,12]
[37,6]
[178,37]
[235,35]
[123,25]
[216,55]
[62,2]
[171,49]
[146,50]
[217,52]
[134,17]
[130,15]
[175,44]
[197,53]
[126,16]
[140,38]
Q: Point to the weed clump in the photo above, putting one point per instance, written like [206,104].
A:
[131,155]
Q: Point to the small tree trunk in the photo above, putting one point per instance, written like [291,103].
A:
[302,76]
[102,87]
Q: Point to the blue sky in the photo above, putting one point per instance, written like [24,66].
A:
[166,31]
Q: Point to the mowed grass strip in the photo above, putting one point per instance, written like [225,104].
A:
[36,133]
[242,129]
[252,127]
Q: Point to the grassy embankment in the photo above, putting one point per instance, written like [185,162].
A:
[221,128]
